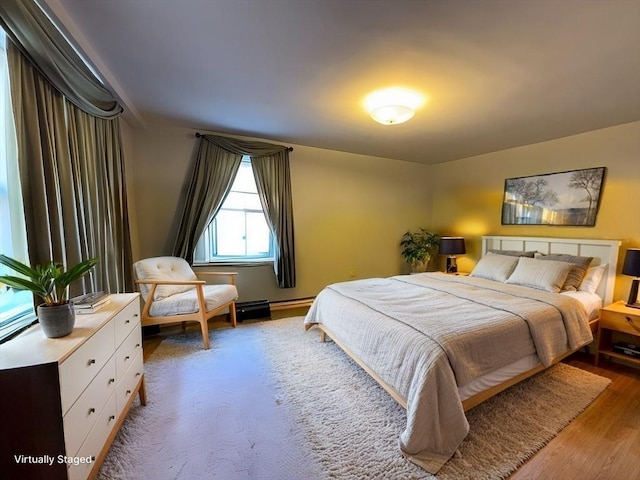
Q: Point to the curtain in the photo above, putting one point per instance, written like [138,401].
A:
[72,174]
[213,176]
[273,181]
[49,51]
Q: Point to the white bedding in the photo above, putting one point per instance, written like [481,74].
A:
[427,335]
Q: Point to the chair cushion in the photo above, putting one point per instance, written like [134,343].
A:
[164,268]
[187,302]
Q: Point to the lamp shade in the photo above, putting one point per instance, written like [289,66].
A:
[631,265]
[452,246]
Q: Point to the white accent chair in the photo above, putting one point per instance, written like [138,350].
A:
[173,293]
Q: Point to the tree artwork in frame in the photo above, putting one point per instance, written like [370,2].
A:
[564,198]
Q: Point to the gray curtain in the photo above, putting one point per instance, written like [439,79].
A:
[270,165]
[72,174]
[274,188]
[213,176]
[49,51]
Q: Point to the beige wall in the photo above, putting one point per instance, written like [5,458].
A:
[467,194]
[349,211]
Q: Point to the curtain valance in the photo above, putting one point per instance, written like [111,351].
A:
[245,147]
[49,51]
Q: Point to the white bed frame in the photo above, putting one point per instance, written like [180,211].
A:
[602,251]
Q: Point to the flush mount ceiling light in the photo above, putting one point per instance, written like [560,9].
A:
[393,106]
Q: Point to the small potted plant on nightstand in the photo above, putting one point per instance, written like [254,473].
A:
[51,283]
[418,248]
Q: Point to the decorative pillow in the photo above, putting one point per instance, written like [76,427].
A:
[576,274]
[514,253]
[592,279]
[164,268]
[549,275]
[494,267]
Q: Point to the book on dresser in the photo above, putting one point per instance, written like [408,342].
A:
[64,399]
[90,303]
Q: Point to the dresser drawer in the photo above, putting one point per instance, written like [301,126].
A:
[94,443]
[81,417]
[129,382]
[620,322]
[126,321]
[77,371]
[128,351]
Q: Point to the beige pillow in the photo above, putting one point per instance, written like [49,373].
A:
[576,274]
[549,275]
[495,267]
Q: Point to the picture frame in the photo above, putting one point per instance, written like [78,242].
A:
[570,198]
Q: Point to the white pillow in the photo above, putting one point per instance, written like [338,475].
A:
[546,275]
[592,279]
[495,267]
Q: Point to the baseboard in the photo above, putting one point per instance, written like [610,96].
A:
[288,304]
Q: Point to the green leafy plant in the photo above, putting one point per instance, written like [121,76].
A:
[418,247]
[49,282]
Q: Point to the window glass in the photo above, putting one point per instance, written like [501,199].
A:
[239,232]
[16,307]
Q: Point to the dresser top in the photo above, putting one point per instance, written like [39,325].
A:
[32,347]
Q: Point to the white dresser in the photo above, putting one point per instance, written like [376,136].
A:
[63,400]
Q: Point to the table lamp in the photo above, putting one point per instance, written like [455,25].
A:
[452,246]
[631,267]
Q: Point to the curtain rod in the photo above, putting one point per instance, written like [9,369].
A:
[198,135]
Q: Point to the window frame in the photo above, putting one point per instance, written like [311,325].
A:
[233,260]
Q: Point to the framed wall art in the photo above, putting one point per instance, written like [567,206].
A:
[565,198]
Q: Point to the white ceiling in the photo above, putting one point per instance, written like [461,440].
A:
[498,73]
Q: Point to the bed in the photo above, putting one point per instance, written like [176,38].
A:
[441,344]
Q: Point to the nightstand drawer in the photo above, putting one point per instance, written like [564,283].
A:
[620,322]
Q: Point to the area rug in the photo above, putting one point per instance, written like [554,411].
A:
[334,421]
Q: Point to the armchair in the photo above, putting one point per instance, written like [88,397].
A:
[173,293]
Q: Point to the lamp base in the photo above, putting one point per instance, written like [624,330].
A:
[633,294]
[452,266]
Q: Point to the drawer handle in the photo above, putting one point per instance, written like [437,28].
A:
[135,314]
[111,380]
[137,374]
[137,345]
[126,358]
[92,410]
[128,392]
[112,417]
[91,361]
[127,321]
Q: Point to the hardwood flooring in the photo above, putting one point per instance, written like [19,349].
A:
[602,443]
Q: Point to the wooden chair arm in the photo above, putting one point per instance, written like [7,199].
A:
[171,282]
[232,275]
[217,273]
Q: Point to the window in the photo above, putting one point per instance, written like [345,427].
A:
[239,232]
[16,308]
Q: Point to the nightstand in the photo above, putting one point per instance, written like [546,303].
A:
[617,318]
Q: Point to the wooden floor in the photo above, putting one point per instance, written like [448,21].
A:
[602,443]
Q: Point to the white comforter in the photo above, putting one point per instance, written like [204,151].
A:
[426,335]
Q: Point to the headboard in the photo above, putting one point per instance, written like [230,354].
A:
[602,251]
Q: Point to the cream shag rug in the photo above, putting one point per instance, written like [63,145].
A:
[331,419]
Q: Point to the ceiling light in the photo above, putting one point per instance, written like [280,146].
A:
[393,106]
[392,114]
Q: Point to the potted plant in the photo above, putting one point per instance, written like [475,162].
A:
[418,248]
[51,283]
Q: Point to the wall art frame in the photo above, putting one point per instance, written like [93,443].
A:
[570,198]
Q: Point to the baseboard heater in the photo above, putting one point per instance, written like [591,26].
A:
[252,310]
